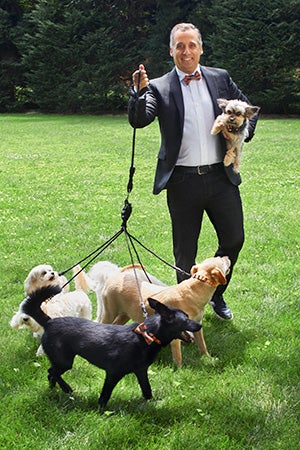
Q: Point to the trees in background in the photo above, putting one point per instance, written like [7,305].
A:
[77,56]
[11,74]
[258,42]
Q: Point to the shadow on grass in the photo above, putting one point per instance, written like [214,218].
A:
[225,342]
[156,415]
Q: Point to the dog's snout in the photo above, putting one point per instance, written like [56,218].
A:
[231,118]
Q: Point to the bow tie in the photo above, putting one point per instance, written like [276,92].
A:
[193,76]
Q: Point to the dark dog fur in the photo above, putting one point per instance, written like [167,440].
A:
[117,349]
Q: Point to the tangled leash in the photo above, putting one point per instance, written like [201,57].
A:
[125,215]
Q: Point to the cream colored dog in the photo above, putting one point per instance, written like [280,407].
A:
[75,303]
[121,299]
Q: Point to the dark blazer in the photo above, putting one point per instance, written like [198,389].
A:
[163,99]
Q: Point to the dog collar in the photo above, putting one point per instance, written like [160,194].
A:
[149,337]
[204,279]
[234,129]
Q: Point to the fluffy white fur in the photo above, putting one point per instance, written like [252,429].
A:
[75,303]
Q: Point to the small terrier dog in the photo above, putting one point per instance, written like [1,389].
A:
[233,123]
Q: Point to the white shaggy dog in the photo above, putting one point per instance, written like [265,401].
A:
[102,271]
[75,303]
[42,276]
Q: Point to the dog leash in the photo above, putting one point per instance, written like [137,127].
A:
[142,303]
[125,215]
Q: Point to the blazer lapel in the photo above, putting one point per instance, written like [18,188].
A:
[176,92]
[212,87]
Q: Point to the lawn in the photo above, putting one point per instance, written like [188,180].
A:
[63,184]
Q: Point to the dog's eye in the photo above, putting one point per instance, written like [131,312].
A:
[238,113]
[229,111]
[44,273]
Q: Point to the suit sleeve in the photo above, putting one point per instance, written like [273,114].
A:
[142,108]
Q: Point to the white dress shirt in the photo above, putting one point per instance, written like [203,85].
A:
[198,146]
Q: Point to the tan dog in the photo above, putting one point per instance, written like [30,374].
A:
[98,275]
[121,299]
[233,123]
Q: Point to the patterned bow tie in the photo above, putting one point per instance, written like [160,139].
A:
[193,76]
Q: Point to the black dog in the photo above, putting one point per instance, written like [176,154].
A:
[118,349]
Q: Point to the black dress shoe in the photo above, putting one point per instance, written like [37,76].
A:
[221,310]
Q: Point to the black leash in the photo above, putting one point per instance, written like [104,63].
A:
[93,255]
[132,168]
[159,257]
[127,210]
[125,215]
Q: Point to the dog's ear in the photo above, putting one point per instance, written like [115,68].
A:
[158,306]
[193,270]
[251,111]
[30,281]
[222,102]
[218,276]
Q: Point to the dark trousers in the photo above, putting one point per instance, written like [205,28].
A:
[188,196]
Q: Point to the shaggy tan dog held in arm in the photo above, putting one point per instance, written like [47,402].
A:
[121,300]
[233,123]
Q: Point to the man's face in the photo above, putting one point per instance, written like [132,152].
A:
[186,50]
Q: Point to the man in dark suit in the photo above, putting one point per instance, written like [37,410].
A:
[190,159]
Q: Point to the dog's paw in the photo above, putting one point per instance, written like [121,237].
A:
[236,167]
[218,125]
[40,351]
[215,130]
[229,158]
[227,134]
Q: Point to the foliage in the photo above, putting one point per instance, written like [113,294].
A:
[10,74]
[84,48]
[258,43]
[78,55]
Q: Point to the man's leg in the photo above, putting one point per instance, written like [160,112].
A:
[186,212]
[226,214]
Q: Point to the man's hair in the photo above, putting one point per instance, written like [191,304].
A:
[184,27]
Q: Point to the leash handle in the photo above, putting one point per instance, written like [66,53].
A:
[132,168]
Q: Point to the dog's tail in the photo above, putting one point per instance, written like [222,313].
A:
[131,266]
[82,281]
[32,304]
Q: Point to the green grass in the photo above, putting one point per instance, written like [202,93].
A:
[62,187]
